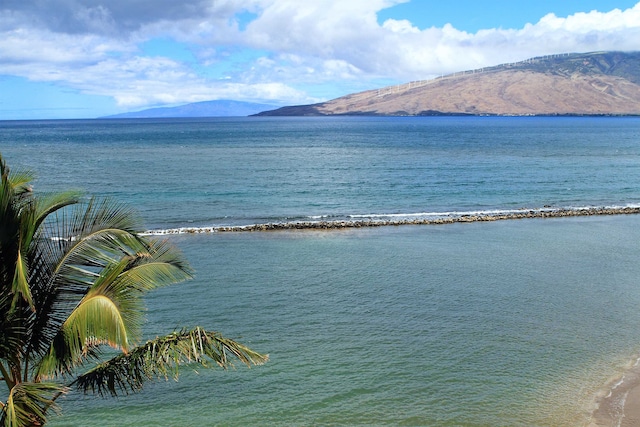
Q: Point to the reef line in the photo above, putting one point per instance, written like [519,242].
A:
[445,219]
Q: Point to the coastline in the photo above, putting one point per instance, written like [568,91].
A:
[431,220]
[620,407]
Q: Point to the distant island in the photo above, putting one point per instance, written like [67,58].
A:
[218,108]
[598,83]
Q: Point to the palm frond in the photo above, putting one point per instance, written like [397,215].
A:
[93,233]
[12,335]
[147,271]
[103,214]
[28,402]
[21,286]
[111,312]
[123,285]
[161,357]
[26,232]
[76,244]
[19,180]
[97,320]
[50,203]
[9,231]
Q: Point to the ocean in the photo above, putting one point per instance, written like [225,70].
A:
[504,323]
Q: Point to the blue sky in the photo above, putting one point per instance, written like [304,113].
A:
[89,58]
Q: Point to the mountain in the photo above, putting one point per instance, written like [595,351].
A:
[599,83]
[220,108]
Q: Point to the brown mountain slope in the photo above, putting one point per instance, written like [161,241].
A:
[571,84]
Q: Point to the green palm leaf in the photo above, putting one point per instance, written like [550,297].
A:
[20,286]
[50,203]
[161,357]
[111,311]
[17,180]
[76,246]
[28,402]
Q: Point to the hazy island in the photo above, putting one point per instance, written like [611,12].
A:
[217,108]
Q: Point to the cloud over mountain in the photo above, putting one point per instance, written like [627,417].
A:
[285,50]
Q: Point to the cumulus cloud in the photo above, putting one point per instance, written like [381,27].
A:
[400,26]
[94,46]
[398,49]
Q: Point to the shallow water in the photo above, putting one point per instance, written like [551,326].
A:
[510,323]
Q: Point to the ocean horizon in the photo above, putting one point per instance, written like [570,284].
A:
[526,322]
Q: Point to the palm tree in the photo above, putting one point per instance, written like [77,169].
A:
[72,276]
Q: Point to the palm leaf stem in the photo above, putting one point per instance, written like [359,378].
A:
[55,397]
[5,376]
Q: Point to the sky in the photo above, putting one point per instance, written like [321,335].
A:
[62,59]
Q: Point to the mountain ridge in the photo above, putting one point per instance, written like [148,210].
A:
[595,83]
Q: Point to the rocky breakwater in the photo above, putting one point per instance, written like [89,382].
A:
[448,219]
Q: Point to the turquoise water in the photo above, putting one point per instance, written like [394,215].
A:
[511,323]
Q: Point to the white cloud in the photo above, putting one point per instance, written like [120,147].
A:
[28,46]
[93,65]
[400,26]
[397,49]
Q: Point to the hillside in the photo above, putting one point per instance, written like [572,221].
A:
[219,108]
[601,83]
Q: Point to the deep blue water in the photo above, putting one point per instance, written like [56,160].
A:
[248,170]
[512,323]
